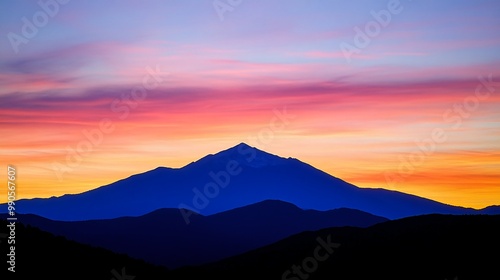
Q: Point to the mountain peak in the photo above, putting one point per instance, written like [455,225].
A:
[238,149]
[244,154]
[251,156]
[242,145]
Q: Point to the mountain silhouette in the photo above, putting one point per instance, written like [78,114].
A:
[423,247]
[162,237]
[41,254]
[239,176]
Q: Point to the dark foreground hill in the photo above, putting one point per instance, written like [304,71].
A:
[41,255]
[423,247]
[164,238]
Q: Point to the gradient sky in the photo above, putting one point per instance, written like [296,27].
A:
[423,89]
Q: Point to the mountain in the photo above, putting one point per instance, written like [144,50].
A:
[490,210]
[424,247]
[239,176]
[41,254]
[162,237]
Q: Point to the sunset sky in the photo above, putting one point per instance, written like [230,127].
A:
[402,95]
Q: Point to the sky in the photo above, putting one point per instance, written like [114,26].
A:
[402,95]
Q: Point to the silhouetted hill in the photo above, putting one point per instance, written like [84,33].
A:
[233,178]
[163,237]
[41,255]
[490,210]
[423,247]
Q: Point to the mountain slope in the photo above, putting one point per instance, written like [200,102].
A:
[162,237]
[41,254]
[236,177]
[423,247]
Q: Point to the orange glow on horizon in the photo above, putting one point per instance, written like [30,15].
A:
[356,132]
